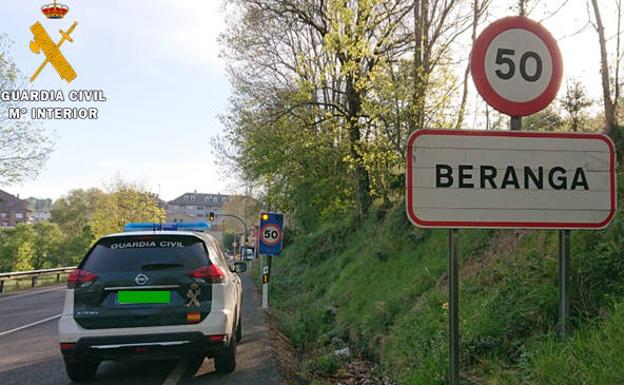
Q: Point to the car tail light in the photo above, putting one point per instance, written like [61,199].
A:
[78,277]
[216,338]
[211,273]
[67,346]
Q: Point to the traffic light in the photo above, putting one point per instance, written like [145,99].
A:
[265,216]
[211,216]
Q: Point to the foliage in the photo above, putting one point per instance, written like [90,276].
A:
[325,96]
[244,207]
[31,247]
[77,220]
[126,202]
[74,211]
[24,147]
[547,119]
[35,204]
[575,102]
[228,238]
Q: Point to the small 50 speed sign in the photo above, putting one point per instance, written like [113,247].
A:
[516,66]
[271,234]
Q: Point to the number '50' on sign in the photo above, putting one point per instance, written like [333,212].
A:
[271,234]
[516,66]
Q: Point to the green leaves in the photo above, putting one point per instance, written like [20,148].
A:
[24,147]
[126,202]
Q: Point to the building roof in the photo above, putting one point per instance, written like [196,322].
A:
[194,199]
[12,204]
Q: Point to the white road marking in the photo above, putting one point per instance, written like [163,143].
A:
[30,293]
[177,373]
[29,325]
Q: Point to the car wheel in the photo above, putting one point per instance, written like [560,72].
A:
[81,371]
[226,362]
[239,329]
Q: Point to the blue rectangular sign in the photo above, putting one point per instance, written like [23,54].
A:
[271,233]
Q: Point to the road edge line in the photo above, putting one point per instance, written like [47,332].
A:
[11,331]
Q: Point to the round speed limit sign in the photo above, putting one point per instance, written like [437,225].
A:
[516,66]
[271,234]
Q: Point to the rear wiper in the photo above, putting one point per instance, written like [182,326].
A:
[158,266]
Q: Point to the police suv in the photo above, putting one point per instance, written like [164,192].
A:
[154,291]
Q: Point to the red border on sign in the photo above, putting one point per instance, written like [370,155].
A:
[527,225]
[279,238]
[477,67]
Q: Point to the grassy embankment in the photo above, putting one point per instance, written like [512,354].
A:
[381,287]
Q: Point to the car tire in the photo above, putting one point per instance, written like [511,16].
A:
[226,362]
[239,329]
[81,371]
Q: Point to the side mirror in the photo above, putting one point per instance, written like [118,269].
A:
[240,267]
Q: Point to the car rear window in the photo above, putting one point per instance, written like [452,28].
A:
[144,253]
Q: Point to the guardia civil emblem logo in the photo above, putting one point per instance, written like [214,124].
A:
[43,43]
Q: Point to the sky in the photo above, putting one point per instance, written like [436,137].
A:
[158,63]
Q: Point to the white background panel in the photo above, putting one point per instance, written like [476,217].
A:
[533,205]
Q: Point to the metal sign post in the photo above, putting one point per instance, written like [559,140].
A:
[266,276]
[564,281]
[453,307]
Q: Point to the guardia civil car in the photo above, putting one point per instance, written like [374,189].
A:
[153,291]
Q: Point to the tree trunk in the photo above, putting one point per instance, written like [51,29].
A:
[462,105]
[609,107]
[522,7]
[418,96]
[362,179]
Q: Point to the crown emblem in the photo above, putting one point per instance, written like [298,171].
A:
[54,11]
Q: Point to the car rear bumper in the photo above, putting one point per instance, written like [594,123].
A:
[152,346]
[218,321]
[153,342]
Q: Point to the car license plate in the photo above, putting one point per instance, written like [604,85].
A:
[143,296]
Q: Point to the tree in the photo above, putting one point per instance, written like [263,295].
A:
[35,204]
[46,245]
[74,211]
[436,26]
[228,239]
[244,207]
[478,9]
[575,102]
[75,246]
[611,101]
[39,246]
[547,119]
[24,147]
[325,95]
[17,247]
[126,202]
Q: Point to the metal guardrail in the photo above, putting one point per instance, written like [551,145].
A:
[33,275]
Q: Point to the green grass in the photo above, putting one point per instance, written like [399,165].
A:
[380,286]
[592,356]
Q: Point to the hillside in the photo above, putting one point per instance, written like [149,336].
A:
[380,287]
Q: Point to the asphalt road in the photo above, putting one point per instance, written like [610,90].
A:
[30,355]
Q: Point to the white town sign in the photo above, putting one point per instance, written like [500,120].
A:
[505,179]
